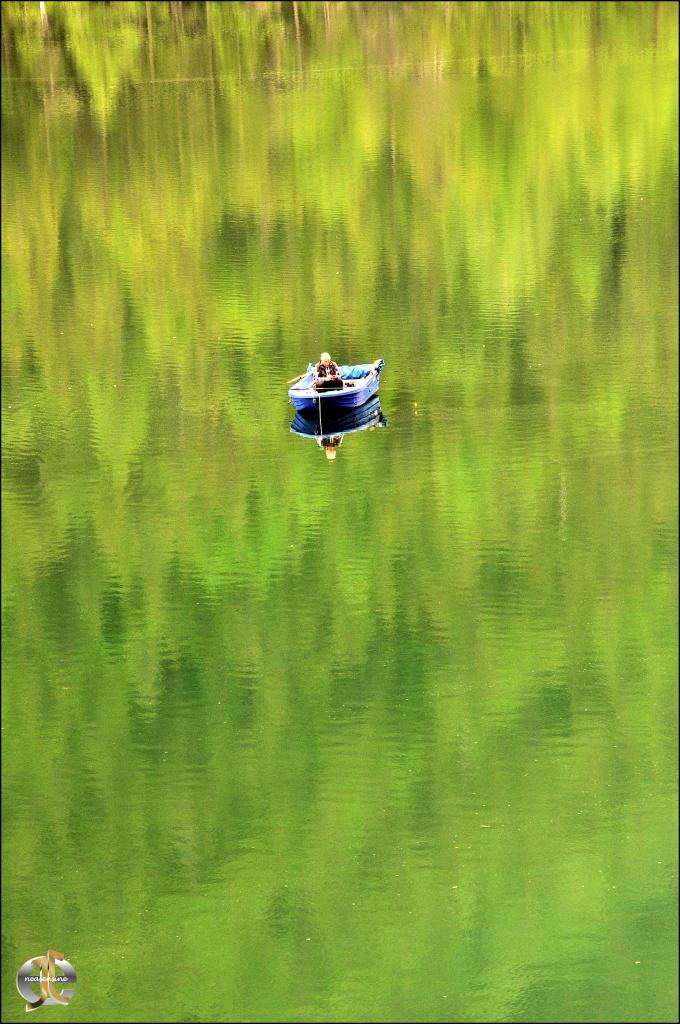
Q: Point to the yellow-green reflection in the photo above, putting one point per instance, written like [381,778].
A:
[429,776]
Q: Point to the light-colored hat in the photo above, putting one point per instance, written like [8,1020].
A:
[324,355]
[331,453]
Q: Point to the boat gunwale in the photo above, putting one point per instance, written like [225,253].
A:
[307,391]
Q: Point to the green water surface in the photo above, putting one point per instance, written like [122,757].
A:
[385,738]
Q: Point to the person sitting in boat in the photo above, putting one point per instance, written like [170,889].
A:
[326,374]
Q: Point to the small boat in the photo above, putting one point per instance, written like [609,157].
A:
[339,423]
[359,383]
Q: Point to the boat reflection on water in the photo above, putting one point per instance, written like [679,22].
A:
[330,431]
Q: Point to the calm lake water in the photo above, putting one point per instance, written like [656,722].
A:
[385,738]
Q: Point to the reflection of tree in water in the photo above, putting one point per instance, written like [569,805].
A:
[139,295]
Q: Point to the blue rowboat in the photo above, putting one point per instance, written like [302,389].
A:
[359,383]
[341,422]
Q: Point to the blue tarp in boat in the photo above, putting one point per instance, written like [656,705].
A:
[354,372]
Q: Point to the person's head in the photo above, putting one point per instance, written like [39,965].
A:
[325,358]
[330,452]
